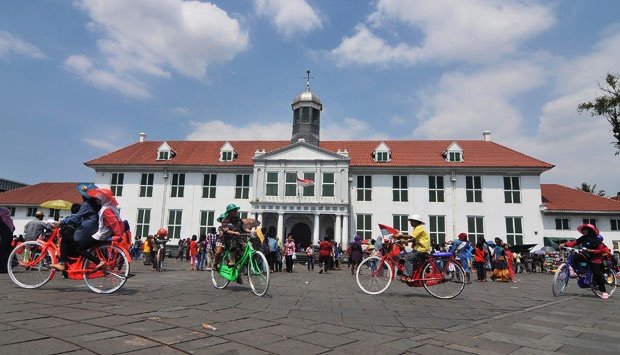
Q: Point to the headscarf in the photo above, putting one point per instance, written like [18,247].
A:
[5,215]
[463,237]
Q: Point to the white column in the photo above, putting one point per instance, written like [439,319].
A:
[260,219]
[345,232]
[315,236]
[280,226]
[338,229]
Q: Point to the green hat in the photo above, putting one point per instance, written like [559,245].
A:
[231,207]
[222,217]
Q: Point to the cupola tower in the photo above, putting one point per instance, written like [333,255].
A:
[307,109]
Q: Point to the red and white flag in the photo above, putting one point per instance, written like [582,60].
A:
[387,231]
[305,182]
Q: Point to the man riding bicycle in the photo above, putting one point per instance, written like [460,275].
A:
[160,240]
[230,235]
[420,248]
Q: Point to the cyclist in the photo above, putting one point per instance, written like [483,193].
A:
[421,245]
[232,228]
[160,239]
[592,252]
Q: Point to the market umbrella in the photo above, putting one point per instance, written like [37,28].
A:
[57,204]
[250,222]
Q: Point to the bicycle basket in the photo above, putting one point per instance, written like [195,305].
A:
[229,273]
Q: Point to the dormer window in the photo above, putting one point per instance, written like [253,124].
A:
[382,153]
[165,152]
[227,152]
[454,153]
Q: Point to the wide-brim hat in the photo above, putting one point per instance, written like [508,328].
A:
[232,207]
[222,217]
[415,217]
[83,188]
[103,195]
[590,226]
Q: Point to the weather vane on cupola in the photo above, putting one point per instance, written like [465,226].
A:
[308,77]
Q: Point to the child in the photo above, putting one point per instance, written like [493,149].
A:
[193,252]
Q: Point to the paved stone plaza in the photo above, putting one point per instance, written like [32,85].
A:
[303,313]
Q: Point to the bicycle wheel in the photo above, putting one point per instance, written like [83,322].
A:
[610,283]
[218,280]
[560,279]
[258,273]
[374,276]
[115,273]
[445,279]
[29,265]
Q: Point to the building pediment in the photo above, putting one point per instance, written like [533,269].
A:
[302,151]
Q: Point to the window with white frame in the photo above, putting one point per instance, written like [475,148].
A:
[561,224]
[382,153]
[174,223]
[31,211]
[473,188]
[116,184]
[514,230]
[207,219]
[455,157]
[615,224]
[399,188]
[272,184]
[364,188]
[177,189]
[242,186]
[475,228]
[591,221]
[143,222]
[437,229]
[435,189]
[290,184]
[163,155]
[364,225]
[243,214]
[308,189]
[328,185]
[209,183]
[227,156]
[512,189]
[53,212]
[399,221]
[146,184]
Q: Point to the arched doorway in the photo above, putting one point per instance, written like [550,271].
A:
[302,234]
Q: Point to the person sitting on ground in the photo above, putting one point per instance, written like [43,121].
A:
[78,227]
[592,252]
[421,248]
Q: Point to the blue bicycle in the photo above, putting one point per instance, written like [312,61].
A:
[581,271]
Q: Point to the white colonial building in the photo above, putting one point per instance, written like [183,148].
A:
[312,188]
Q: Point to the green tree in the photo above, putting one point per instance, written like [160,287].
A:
[607,105]
[591,189]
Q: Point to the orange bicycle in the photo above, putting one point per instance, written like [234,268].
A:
[30,263]
[440,274]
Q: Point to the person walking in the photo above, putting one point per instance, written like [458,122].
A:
[6,237]
[193,252]
[355,253]
[289,251]
[460,249]
[310,256]
[480,257]
[273,249]
[211,241]
[325,254]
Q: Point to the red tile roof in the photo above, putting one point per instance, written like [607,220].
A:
[34,195]
[405,153]
[562,198]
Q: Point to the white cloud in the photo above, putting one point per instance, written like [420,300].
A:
[122,83]
[10,44]
[465,105]
[157,38]
[218,130]
[100,144]
[475,31]
[350,129]
[290,17]
[182,111]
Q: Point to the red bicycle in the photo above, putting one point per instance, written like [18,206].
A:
[30,263]
[440,274]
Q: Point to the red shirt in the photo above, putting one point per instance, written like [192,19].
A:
[478,255]
[325,249]
[193,248]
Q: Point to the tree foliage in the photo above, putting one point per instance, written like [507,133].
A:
[590,189]
[607,105]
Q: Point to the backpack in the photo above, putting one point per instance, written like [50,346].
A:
[273,245]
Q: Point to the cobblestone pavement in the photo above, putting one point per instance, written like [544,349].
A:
[303,313]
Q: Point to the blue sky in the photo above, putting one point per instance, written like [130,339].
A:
[79,79]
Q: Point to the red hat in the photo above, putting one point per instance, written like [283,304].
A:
[103,195]
[463,236]
[588,225]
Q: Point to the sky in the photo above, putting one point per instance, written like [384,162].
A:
[79,79]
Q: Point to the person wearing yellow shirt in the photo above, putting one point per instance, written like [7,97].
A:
[421,245]
[146,249]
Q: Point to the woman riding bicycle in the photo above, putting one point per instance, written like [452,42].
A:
[592,252]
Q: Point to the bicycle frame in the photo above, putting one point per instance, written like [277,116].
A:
[584,280]
[231,273]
